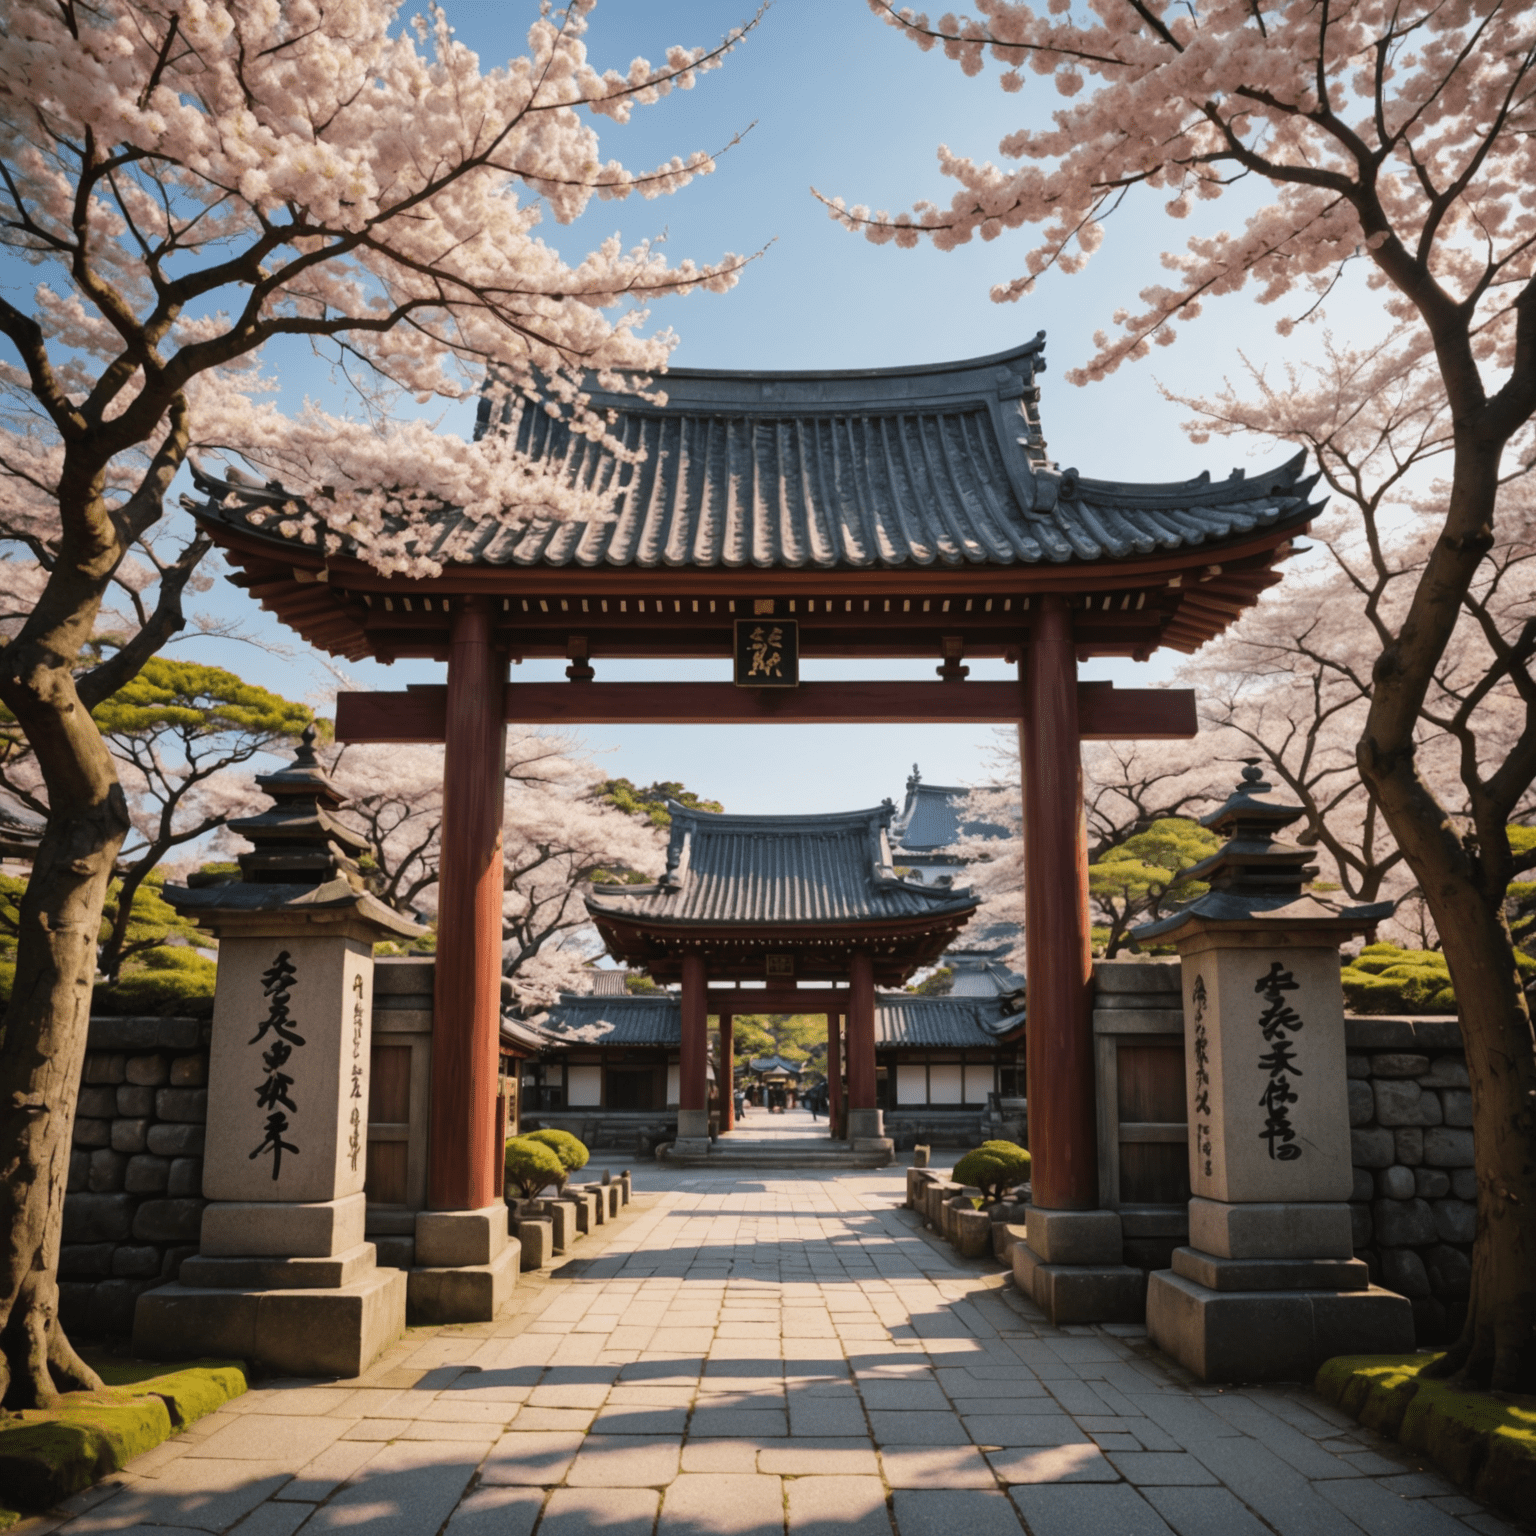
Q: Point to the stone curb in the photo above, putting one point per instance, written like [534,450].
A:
[46,1455]
[1483,1443]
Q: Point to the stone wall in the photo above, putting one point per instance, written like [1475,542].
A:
[134,1204]
[1414,1201]
[909,1128]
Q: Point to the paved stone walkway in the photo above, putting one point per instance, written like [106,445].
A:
[760,1125]
[750,1356]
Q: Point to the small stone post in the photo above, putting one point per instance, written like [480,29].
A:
[283,1274]
[1268,1287]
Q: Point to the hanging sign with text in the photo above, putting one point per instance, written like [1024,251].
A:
[767,653]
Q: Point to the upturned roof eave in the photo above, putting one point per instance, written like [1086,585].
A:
[1027,576]
[668,927]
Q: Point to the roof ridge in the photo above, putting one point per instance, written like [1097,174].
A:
[725,819]
[1033,348]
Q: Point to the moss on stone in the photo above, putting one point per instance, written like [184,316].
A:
[48,1454]
[1374,1388]
[1484,1443]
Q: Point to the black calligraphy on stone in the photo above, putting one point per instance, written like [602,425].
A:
[277,984]
[355,1140]
[277,1123]
[1277,1024]
[1202,1077]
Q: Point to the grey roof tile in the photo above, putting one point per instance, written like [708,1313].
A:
[647,1019]
[930,817]
[901,1021]
[943,465]
[724,869]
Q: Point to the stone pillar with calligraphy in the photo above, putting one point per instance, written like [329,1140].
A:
[283,1274]
[1268,1287]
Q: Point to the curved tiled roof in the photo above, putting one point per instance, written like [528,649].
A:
[907,1020]
[648,1019]
[901,1020]
[940,465]
[753,870]
[897,467]
[930,818]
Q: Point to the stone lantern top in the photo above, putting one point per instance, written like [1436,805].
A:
[1252,860]
[298,839]
[304,862]
[1254,877]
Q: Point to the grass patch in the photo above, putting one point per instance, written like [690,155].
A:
[48,1454]
[1486,1444]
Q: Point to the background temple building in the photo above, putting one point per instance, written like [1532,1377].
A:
[607,1066]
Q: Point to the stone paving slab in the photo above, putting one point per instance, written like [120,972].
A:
[773,1354]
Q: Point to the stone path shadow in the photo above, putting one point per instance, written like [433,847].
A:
[779,1355]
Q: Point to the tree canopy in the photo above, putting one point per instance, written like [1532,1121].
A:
[1391,142]
[651,801]
[1137,880]
[196,183]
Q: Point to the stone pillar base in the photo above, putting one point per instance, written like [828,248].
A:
[1271,1335]
[289,1285]
[1069,1265]
[465,1269]
[1080,1293]
[307,1330]
[693,1124]
[684,1146]
[462,1293]
[866,1125]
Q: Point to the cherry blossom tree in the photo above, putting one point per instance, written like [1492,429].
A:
[1127,788]
[1393,140]
[560,830]
[196,179]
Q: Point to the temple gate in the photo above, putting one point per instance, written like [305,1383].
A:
[892,513]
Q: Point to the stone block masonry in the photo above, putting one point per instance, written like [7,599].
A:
[134,1201]
[1414,1203]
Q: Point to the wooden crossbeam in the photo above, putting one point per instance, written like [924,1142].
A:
[1105,713]
[772,999]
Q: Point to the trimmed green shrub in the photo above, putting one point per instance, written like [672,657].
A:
[1385,979]
[994,1168]
[571,1150]
[532,1166]
[167,980]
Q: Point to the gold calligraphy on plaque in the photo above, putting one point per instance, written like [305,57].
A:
[767,653]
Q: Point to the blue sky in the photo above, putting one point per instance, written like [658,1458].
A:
[834,99]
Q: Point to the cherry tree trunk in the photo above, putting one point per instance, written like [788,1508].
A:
[1497,1348]
[46,1023]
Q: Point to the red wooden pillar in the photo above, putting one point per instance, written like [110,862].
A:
[863,1117]
[728,1072]
[1064,1172]
[693,1069]
[463,1155]
[834,1074]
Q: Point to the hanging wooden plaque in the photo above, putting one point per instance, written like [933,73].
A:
[767,653]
